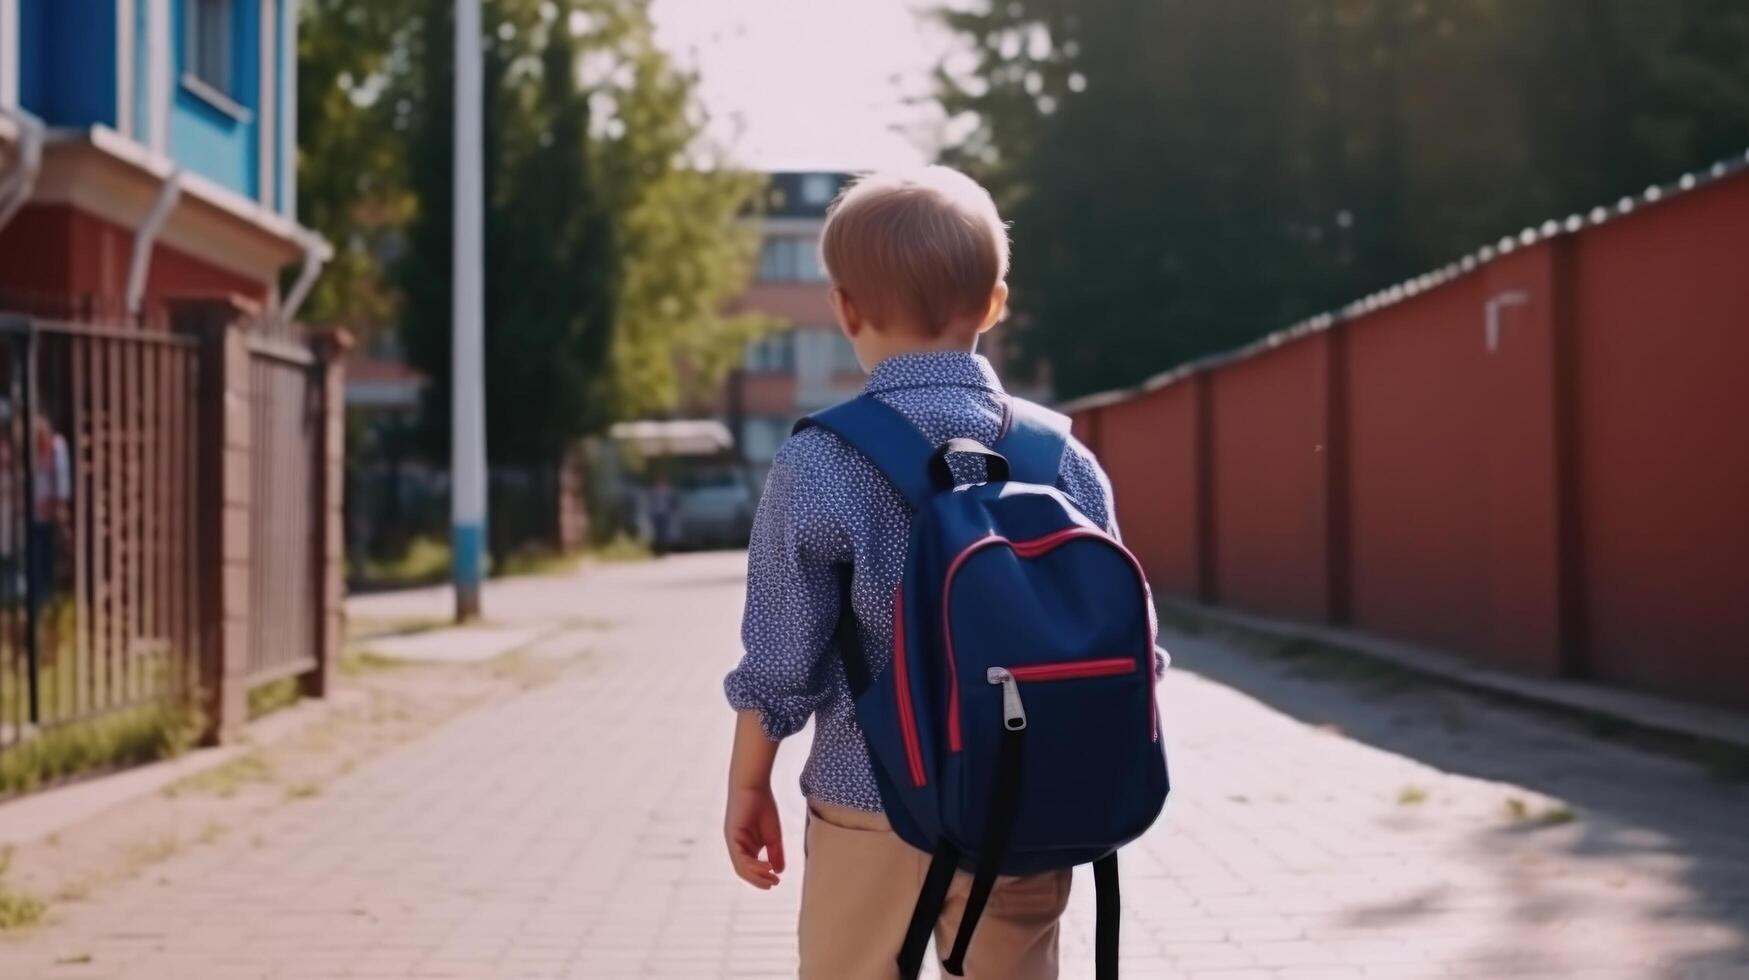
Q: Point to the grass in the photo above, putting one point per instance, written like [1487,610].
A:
[426,560]
[357,663]
[620,547]
[227,780]
[363,630]
[1554,815]
[68,684]
[1411,796]
[265,699]
[17,909]
[151,850]
[538,560]
[121,738]
[302,791]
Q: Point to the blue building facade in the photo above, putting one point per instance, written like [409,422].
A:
[183,109]
[225,63]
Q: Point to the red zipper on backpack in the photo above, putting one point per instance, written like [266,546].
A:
[1029,548]
[1075,669]
[901,680]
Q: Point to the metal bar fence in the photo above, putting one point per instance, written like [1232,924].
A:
[97,558]
[284,598]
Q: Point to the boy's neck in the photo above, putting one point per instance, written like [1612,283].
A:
[898,344]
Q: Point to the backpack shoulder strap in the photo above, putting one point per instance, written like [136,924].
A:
[1034,442]
[890,442]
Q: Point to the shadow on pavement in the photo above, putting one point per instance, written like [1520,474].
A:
[1624,804]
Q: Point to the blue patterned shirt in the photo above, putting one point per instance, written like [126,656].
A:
[826,504]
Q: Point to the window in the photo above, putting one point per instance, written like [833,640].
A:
[817,188]
[790,258]
[775,354]
[209,42]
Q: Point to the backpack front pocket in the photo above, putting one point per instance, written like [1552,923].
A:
[1079,723]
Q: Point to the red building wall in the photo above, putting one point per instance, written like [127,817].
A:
[59,252]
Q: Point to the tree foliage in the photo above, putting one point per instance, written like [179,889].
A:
[611,238]
[351,171]
[1185,175]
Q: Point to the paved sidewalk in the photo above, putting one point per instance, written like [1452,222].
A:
[1321,827]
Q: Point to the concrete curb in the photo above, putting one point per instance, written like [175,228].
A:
[35,816]
[1647,712]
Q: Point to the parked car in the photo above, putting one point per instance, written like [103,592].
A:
[685,485]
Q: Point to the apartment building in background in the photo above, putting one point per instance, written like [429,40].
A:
[808,364]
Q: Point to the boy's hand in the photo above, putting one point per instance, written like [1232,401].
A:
[750,825]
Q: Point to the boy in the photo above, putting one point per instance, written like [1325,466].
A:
[917,264]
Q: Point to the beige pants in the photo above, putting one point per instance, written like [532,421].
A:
[861,882]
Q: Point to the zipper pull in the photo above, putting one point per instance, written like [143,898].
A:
[1013,712]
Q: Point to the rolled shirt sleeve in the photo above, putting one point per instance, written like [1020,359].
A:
[793,560]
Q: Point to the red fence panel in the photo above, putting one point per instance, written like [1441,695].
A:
[1541,462]
[1270,507]
[1418,479]
[1663,454]
[1148,446]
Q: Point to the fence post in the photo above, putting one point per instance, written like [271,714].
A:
[223,448]
[330,519]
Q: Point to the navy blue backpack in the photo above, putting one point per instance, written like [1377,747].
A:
[1016,730]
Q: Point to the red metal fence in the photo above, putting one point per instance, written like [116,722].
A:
[1538,457]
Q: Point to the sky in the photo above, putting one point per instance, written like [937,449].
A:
[810,84]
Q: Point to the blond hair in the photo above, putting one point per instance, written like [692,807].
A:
[921,245]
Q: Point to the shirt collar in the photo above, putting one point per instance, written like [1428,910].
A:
[933,369]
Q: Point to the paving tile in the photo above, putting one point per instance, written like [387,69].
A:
[574,831]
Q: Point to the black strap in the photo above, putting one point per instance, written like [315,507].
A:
[1004,801]
[1107,905]
[844,636]
[995,464]
[928,909]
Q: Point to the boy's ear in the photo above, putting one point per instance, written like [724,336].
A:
[844,308]
[998,310]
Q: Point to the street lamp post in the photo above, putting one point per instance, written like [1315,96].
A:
[468,419]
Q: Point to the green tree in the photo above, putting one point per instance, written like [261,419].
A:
[612,239]
[1184,176]
[351,171]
